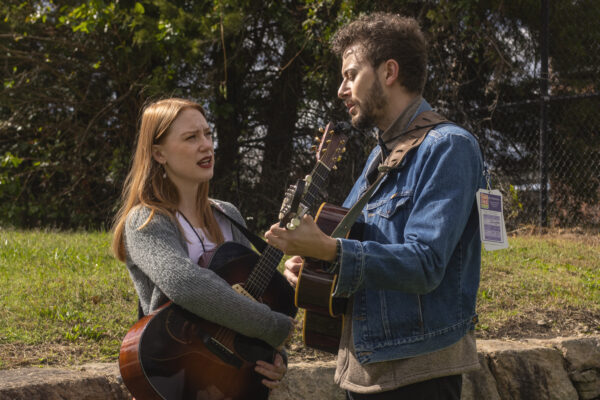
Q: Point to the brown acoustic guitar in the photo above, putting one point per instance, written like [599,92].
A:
[323,322]
[172,354]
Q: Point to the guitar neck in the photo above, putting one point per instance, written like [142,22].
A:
[318,177]
[271,257]
[261,275]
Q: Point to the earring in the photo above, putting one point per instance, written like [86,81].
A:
[164,175]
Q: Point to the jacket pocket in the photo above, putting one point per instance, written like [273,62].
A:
[392,316]
[390,205]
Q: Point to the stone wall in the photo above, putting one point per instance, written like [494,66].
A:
[557,369]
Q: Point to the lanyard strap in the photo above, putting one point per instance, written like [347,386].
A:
[195,231]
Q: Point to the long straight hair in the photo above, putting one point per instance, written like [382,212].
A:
[145,185]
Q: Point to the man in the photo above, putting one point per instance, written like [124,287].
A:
[413,276]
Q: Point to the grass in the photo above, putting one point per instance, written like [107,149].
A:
[63,292]
[551,279]
[64,300]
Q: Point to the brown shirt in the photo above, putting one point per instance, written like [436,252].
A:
[350,375]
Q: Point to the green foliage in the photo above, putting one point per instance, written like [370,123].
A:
[76,74]
[535,273]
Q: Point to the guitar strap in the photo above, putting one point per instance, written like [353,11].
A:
[410,139]
[256,241]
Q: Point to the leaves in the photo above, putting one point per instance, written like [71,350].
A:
[81,71]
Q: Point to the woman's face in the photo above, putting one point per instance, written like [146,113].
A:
[187,150]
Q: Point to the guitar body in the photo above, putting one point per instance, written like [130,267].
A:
[322,326]
[171,354]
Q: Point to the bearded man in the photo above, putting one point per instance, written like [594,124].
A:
[411,279]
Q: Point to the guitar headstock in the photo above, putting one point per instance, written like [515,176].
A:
[291,202]
[332,143]
[299,198]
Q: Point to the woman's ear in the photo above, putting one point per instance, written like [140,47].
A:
[157,154]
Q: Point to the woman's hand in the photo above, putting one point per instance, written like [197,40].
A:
[276,371]
[273,372]
[292,269]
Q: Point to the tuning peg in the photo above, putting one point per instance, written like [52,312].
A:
[328,141]
[339,158]
[293,224]
[313,148]
[308,179]
[343,149]
[321,129]
[334,167]
[317,139]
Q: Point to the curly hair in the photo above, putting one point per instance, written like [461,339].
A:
[384,36]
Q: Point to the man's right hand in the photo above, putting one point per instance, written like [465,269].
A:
[292,269]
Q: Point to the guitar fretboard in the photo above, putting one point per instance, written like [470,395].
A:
[261,275]
[319,175]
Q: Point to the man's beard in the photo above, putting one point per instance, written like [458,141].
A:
[370,109]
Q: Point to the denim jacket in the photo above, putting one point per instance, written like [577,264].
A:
[414,274]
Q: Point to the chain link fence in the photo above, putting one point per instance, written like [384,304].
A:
[541,137]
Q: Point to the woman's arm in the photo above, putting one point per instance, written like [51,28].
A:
[157,250]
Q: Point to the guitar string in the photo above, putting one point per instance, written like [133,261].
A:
[257,282]
[262,277]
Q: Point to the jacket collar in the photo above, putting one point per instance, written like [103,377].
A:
[389,138]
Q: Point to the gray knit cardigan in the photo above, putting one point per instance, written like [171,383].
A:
[161,270]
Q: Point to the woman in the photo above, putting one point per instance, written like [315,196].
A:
[167,226]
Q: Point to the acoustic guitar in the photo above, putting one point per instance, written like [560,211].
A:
[323,322]
[172,354]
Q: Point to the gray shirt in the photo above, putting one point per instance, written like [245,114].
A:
[161,270]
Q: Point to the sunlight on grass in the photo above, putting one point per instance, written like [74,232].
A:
[65,300]
[539,272]
[63,288]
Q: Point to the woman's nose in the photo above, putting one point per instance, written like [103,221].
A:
[206,143]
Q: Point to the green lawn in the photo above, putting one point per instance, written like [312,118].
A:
[62,292]
[65,300]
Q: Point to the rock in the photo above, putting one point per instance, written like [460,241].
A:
[561,369]
[312,381]
[480,384]
[529,371]
[90,383]
[582,358]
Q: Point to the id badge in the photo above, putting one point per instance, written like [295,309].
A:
[491,219]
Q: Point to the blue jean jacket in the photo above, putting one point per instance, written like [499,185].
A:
[414,274]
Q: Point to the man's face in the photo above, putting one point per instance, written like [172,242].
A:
[361,90]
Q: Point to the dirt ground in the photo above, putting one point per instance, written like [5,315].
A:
[530,324]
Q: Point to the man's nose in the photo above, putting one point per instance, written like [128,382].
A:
[343,90]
